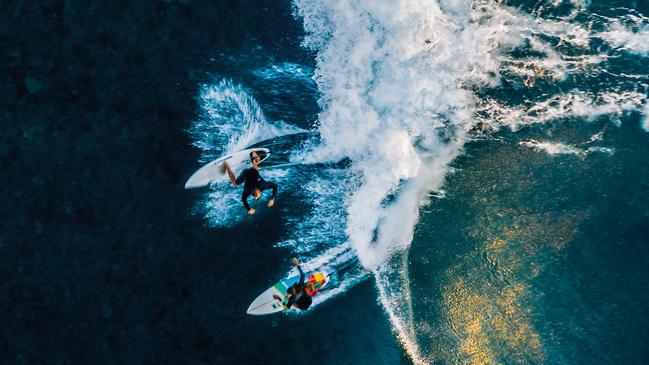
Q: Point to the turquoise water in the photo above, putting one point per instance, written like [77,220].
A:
[542,263]
[474,172]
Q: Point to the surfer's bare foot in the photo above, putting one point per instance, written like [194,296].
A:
[271,202]
[251,211]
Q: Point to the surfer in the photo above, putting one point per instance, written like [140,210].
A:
[253,183]
[297,294]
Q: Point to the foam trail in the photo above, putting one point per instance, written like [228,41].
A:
[345,272]
[555,148]
[404,324]
[323,225]
[577,104]
[286,70]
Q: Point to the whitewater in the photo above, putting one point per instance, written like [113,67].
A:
[403,86]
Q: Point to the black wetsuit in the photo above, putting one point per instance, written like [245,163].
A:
[300,298]
[253,181]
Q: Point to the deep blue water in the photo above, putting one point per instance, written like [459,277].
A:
[522,255]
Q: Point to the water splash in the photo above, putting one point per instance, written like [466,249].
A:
[230,120]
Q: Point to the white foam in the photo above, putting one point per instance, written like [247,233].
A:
[230,120]
[633,38]
[389,79]
[556,40]
[556,148]
[577,104]
[323,226]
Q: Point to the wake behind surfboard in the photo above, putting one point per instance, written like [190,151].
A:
[210,173]
[267,303]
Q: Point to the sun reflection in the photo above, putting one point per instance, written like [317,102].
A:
[491,325]
[520,226]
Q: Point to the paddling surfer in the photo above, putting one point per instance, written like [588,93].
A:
[297,294]
[253,183]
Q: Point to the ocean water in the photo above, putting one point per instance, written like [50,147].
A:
[475,174]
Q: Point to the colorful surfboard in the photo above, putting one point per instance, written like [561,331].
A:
[267,302]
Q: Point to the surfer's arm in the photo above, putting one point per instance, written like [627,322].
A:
[301,275]
[274,186]
[240,179]
[296,263]
[225,168]
[244,200]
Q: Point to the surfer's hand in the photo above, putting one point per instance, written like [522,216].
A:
[295,261]
[251,211]
[271,202]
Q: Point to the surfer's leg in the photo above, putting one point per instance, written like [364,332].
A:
[274,186]
[244,199]
[268,185]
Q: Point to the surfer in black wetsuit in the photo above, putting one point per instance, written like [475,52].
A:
[296,294]
[253,183]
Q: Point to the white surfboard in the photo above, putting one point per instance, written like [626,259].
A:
[210,174]
[266,302]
